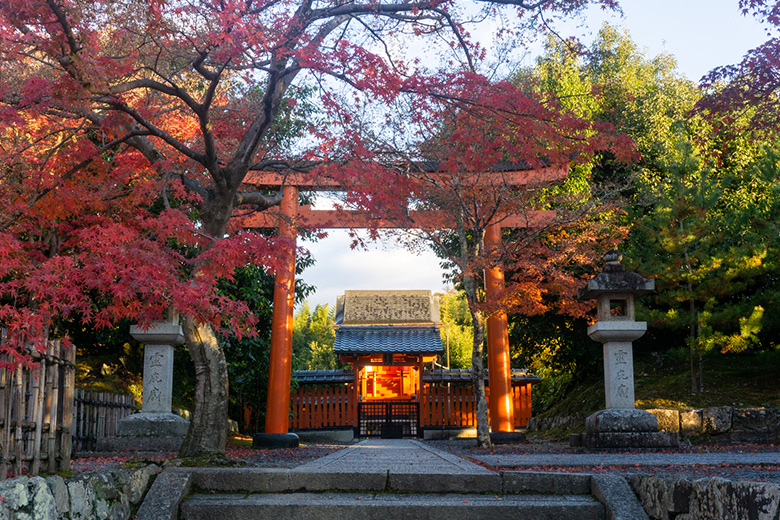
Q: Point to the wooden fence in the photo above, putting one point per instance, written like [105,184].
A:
[316,406]
[97,415]
[36,412]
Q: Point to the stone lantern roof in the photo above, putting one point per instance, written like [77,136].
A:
[615,279]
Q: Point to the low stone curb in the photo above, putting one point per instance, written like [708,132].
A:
[619,500]
[720,423]
[173,485]
[163,499]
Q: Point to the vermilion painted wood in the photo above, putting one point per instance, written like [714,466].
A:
[342,219]
[289,216]
[315,182]
[280,364]
[499,367]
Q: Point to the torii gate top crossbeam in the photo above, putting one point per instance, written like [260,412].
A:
[344,219]
[308,182]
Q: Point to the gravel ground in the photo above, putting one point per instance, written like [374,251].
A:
[276,458]
[759,473]
[284,458]
[307,452]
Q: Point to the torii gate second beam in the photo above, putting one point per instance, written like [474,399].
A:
[287,217]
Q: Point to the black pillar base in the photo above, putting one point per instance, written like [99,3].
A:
[508,438]
[275,440]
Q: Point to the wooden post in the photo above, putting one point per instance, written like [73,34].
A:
[280,366]
[66,439]
[5,409]
[52,394]
[499,366]
[38,417]
[19,388]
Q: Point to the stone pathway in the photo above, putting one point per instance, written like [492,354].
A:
[394,455]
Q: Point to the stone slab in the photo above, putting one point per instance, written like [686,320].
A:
[542,482]
[508,438]
[153,424]
[621,421]
[149,444]
[527,460]
[275,440]
[627,440]
[391,506]
[445,434]
[326,435]
[163,499]
[668,420]
[393,455]
[446,483]
[618,498]
[278,480]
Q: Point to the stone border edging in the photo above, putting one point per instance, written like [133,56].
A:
[755,425]
[163,499]
[173,485]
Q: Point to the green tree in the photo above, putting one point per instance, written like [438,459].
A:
[457,333]
[313,338]
[711,243]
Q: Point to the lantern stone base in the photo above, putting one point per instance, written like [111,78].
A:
[275,440]
[145,431]
[629,428]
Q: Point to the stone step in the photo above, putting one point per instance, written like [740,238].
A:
[390,506]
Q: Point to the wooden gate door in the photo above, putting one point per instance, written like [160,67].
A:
[389,419]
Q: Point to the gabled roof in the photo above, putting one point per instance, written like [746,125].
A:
[388,340]
[453,375]
[463,375]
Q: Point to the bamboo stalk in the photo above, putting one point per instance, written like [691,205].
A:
[38,415]
[67,412]
[53,405]
[19,386]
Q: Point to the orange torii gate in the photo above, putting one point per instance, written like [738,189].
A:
[287,219]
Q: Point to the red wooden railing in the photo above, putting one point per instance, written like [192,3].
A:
[315,406]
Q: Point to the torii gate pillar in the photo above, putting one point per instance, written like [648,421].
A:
[499,366]
[277,412]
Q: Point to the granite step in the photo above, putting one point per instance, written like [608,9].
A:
[390,506]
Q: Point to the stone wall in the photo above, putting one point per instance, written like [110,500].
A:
[105,495]
[706,499]
[558,422]
[720,424]
[723,423]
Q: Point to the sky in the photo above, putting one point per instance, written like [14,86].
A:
[700,34]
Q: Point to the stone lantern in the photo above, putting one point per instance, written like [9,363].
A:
[155,428]
[620,425]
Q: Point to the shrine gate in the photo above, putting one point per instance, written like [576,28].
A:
[289,217]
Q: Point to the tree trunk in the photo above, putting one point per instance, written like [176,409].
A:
[695,356]
[478,378]
[208,426]
[477,365]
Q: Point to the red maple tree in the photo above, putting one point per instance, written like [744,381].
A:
[751,87]
[127,129]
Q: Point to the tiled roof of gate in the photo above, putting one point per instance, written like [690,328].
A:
[388,340]
[453,375]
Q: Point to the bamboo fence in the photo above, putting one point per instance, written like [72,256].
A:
[97,415]
[36,412]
